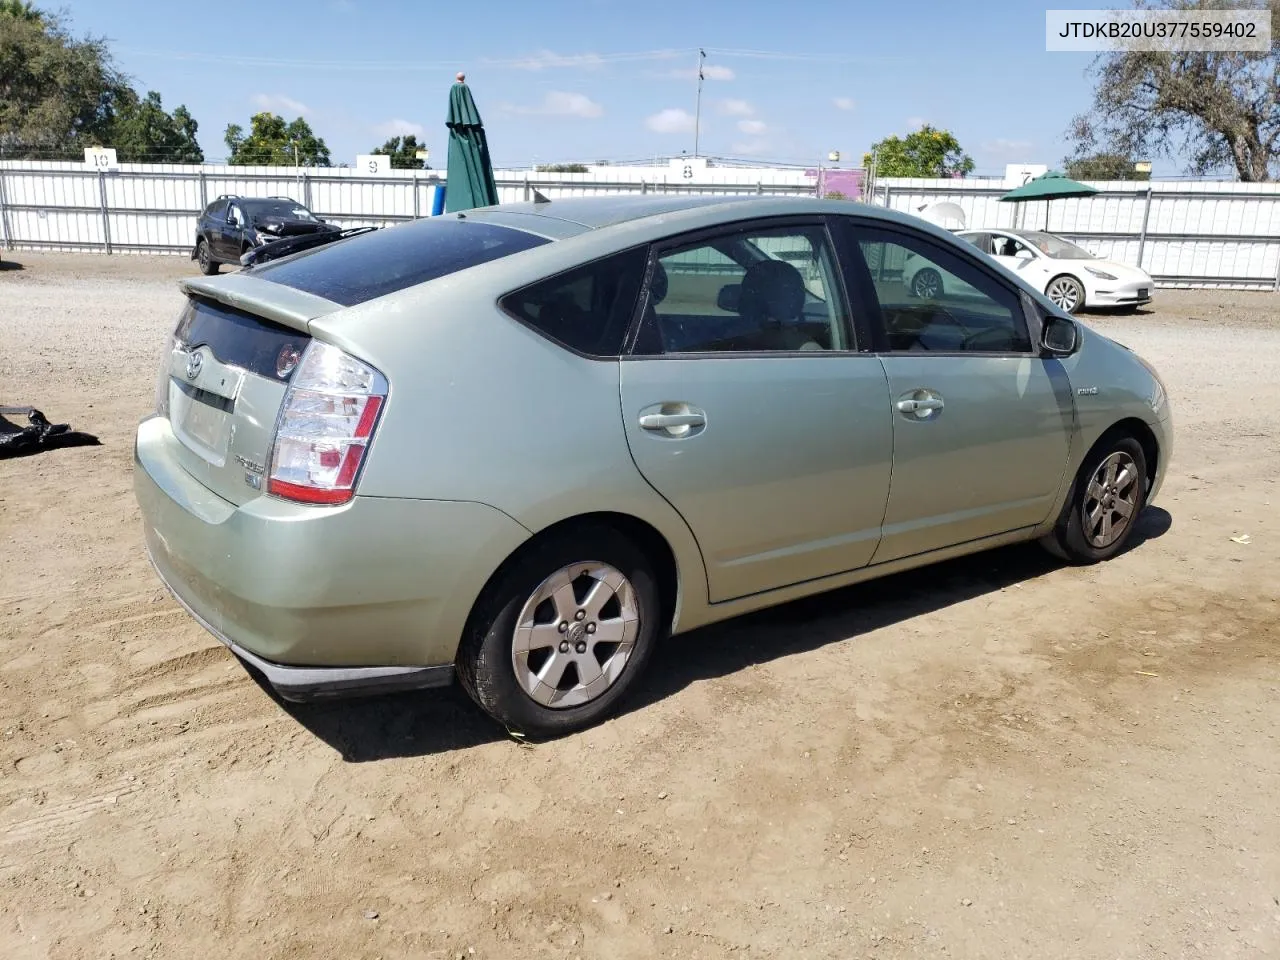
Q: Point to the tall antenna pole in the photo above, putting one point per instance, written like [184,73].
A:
[697,111]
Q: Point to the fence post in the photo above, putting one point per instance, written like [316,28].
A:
[888,194]
[1142,237]
[4,216]
[526,189]
[204,191]
[106,218]
[1275,287]
[306,190]
[417,203]
[644,186]
[759,188]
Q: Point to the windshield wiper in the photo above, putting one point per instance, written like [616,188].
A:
[305,241]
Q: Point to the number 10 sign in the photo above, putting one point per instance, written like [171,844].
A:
[101,158]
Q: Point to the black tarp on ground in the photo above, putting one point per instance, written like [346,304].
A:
[38,434]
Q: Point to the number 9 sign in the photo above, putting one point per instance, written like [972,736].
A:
[372,164]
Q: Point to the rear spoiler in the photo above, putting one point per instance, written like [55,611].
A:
[271,301]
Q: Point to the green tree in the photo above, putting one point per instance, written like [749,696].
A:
[57,93]
[926,153]
[144,132]
[21,10]
[562,168]
[272,142]
[1102,166]
[1222,109]
[403,152]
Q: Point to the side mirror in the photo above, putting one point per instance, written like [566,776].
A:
[729,297]
[1059,336]
[1024,254]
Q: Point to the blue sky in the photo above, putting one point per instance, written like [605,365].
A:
[560,80]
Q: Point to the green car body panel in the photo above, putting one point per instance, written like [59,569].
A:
[492,434]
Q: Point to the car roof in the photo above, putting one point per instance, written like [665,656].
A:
[663,214]
[608,210]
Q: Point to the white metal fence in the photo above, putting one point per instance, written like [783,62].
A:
[1182,233]
[152,208]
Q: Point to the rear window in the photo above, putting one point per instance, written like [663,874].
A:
[587,309]
[375,264]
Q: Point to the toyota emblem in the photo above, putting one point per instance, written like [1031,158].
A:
[194,362]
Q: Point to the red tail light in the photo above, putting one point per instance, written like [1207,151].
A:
[329,414]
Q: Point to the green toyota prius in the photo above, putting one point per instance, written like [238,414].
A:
[517,445]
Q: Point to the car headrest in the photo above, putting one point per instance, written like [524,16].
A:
[771,289]
[658,284]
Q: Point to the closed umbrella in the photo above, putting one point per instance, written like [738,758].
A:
[1049,186]
[469,180]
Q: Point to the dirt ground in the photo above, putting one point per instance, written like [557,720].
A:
[999,757]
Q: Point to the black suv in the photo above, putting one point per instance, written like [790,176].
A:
[231,226]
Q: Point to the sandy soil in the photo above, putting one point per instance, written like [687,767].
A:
[998,757]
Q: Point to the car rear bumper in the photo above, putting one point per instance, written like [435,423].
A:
[338,600]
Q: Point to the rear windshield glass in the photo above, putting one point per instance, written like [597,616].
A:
[374,264]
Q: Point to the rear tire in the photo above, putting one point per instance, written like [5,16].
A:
[543,653]
[1106,499]
[208,265]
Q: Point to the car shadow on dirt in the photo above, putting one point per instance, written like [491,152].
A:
[10,265]
[436,721]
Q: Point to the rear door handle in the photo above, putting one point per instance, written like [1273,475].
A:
[667,421]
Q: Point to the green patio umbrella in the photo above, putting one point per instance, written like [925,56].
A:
[469,180]
[1053,185]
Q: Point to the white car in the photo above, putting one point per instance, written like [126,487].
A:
[1070,276]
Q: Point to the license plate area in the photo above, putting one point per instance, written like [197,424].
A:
[202,420]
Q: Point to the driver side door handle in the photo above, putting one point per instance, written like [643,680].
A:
[921,405]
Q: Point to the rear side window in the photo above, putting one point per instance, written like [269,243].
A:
[217,210]
[375,264]
[588,309]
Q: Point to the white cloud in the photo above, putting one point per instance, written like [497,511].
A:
[710,71]
[548,59]
[1002,146]
[400,128]
[558,103]
[915,123]
[735,108]
[843,103]
[671,120]
[749,148]
[279,103]
[753,127]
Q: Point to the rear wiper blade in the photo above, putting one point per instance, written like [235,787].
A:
[283,247]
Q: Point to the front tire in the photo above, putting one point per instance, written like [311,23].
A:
[927,284]
[208,265]
[1108,495]
[561,635]
[1067,292]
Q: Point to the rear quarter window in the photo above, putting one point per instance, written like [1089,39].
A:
[587,309]
[375,264]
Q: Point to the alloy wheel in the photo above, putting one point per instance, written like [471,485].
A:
[1110,500]
[574,635]
[1064,292]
